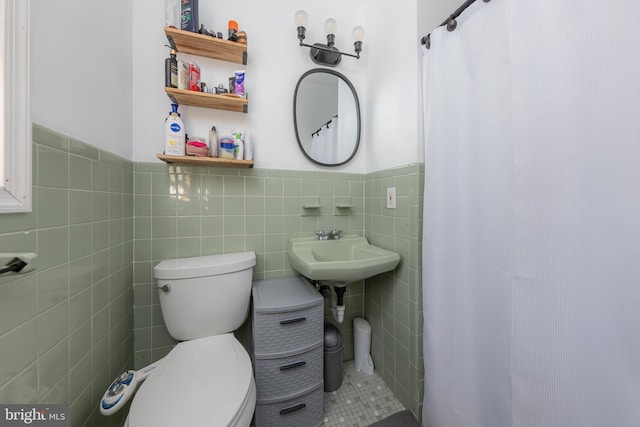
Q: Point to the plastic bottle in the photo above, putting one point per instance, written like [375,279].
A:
[238,147]
[248,146]
[171,70]
[233,31]
[226,147]
[214,147]
[190,21]
[239,83]
[172,13]
[183,75]
[174,133]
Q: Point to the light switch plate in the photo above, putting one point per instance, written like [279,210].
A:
[391,198]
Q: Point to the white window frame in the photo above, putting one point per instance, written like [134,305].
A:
[15,120]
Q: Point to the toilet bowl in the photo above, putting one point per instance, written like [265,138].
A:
[202,382]
[207,378]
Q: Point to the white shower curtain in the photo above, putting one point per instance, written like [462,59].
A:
[531,245]
[324,143]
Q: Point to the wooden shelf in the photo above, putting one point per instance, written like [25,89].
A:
[206,161]
[211,47]
[207,100]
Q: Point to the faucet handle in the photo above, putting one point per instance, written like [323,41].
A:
[320,233]
[335,234]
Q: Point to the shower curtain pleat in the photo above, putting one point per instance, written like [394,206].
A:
[531,245]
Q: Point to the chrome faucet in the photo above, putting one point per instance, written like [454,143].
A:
[321,235]
[334,235]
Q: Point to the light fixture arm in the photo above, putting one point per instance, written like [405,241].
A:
[327,49]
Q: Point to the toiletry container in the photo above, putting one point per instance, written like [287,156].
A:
[239,87]
[226,147]
[214,144]
[238,147]
[171,70]
[190,21]
[172,13]
[174,133]
[248,146]
[233,31]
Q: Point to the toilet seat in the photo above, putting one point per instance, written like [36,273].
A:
[203,382]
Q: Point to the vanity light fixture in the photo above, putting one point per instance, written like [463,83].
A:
[327,54]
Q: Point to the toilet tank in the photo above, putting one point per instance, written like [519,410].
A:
[205,296]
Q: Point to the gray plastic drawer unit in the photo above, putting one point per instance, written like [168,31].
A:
[306,409]
[275,377]
[288,352]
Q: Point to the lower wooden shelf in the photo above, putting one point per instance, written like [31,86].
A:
[206,161]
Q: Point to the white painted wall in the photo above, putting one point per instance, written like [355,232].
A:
[275,62]
[81,71]
[98,74]
[391,85]
[394,78]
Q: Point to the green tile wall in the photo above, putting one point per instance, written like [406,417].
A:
[393,301]
[191,211]
[66,329]
[100,223]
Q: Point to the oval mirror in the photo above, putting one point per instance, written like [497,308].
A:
[326,117]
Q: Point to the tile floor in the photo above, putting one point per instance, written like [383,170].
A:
[361,400]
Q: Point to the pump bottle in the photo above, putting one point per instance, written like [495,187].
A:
[175,134]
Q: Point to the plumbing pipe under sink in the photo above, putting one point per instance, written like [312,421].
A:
[334,292]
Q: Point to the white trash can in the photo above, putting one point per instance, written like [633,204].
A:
[362,345]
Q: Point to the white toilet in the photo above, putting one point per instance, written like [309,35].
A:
[206,379]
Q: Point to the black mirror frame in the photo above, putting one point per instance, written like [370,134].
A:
[295,118]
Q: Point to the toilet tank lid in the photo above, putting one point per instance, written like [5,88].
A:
[210,265]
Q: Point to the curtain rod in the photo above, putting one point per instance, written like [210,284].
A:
[450,22]
[326,124]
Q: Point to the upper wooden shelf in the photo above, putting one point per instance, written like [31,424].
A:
[210,47]
[207,100]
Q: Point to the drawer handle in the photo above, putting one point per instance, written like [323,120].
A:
[293,365]
[292,408]
[296,320]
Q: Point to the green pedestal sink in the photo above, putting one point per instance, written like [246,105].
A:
[348,259]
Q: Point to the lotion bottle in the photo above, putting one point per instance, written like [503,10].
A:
[174,133]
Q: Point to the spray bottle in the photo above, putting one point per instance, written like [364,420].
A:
[174,133]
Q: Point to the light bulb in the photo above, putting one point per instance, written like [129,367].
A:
[301,18]
[358,34]
[330,26]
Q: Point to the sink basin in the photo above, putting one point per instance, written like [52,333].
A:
[348,259]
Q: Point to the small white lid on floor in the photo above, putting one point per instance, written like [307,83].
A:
[202,382]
